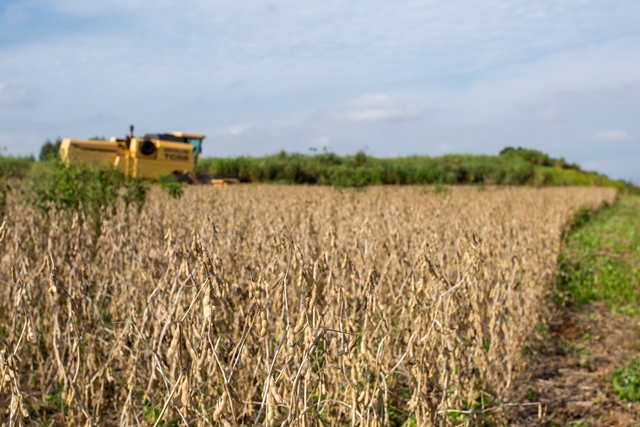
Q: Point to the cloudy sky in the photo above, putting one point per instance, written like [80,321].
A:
[392,78]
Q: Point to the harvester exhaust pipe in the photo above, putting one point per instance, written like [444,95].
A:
[127,138]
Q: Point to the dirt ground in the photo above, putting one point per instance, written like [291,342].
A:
[569,367]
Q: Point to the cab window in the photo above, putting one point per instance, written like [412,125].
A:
[196,143]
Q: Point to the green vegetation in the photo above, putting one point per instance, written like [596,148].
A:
[601,258]
[626,381]
[479,412]
[4,191]
[514,166]
[14,167]
[554,176]
[171,185]
[601,262]
[580,424]
[537,158]
[50,150]
[360,169]
[77,188]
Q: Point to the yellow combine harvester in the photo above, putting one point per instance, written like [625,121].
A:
[148,157]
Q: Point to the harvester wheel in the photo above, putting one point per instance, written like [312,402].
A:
[185,178]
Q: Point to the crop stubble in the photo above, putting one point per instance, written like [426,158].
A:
[270,304]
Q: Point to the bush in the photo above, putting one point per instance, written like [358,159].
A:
[553,176]
[360,169]
[535,157]
[76,188]
[14,167]
[514,166]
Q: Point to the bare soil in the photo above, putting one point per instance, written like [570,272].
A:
[568,371]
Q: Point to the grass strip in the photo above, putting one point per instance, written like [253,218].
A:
[601,262]
[601,258]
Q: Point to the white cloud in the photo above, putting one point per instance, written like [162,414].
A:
[235,130]
[462,76]
[252,130]
[613,135]
[375,108]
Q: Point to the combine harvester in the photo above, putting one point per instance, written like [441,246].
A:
[150,157]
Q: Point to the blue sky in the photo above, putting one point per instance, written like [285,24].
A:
[393,78]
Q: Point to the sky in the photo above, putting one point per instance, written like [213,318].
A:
[390,78]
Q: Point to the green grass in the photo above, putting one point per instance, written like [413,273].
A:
[601,258]
[600,261]
[626,381]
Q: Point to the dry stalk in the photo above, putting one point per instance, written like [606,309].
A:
[277,306]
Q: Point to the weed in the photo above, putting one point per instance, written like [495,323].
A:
[173,188]
[151,412]
[625,381]
[4,191]
[543,333]
[410,422]
[440,189]
[74,188]
[584,358]
[135,192]
[529,395]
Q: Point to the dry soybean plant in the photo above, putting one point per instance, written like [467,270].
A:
[274,305]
